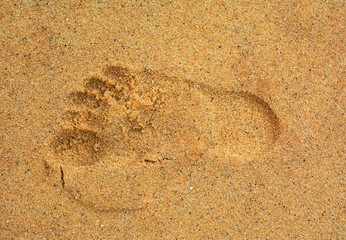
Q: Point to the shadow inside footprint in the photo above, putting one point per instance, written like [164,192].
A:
[127,125]
[81,147]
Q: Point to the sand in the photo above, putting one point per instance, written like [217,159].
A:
[172,120]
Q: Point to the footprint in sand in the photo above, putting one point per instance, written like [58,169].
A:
[126,130]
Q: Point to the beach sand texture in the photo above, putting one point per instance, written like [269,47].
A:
[172,120]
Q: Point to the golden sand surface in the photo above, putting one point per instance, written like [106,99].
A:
[172,119]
